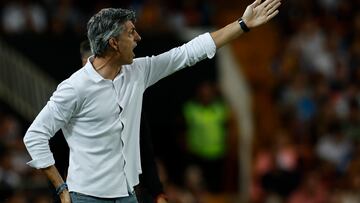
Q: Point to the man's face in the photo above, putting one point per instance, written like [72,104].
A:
[126,43]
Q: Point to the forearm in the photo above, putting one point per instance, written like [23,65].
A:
[226,34]
[255,14]
[53,175]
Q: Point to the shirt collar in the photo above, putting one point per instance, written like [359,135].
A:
[95,76]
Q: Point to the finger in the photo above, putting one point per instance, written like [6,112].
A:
[271,4]
[273,8]
[255,3]
[267,2]
[269,17]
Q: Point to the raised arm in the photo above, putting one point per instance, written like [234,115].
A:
[255,14]
[204,46]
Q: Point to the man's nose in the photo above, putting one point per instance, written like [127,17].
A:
[137,37]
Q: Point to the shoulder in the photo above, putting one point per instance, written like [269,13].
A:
[138,63]
[76,84]
[77,78]
[81,81]
[138,66]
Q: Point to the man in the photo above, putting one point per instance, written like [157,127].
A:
[206,118]
[105,97]
[150,188]
[85,51]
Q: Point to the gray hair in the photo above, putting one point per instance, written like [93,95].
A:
[107,23]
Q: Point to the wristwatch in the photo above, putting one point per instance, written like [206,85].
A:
[243,26]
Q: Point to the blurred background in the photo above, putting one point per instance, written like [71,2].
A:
[273,118]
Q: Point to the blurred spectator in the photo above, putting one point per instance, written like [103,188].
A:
[38,18]
[312,190]
[67,18]
[23,15]
[299,98]
[282,178]
[85,51]
[13,17]
[311,43]
[335,147]
[9,179]
[329,5]
[207,118]
[352,127]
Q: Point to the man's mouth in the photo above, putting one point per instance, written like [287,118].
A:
[133,50]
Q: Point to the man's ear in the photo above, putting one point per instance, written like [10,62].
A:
[113,44]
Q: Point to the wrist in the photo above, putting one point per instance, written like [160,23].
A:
[61,188]
[243,25]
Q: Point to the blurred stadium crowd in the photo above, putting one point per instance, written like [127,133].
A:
[313,154]
[64,16]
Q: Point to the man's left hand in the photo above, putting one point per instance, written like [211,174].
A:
[259,13]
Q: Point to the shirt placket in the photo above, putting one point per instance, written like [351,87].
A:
[117,92]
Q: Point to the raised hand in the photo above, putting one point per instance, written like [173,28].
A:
[259,13]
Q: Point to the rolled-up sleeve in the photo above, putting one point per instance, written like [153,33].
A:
[52,117]
[160,66]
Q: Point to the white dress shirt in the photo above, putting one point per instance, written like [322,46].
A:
[100,120]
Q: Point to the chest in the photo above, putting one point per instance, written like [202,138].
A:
[111,100]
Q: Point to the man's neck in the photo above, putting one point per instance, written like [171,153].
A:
[106,67]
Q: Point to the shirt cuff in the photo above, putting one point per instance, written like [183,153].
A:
[42,162]
[209,45]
